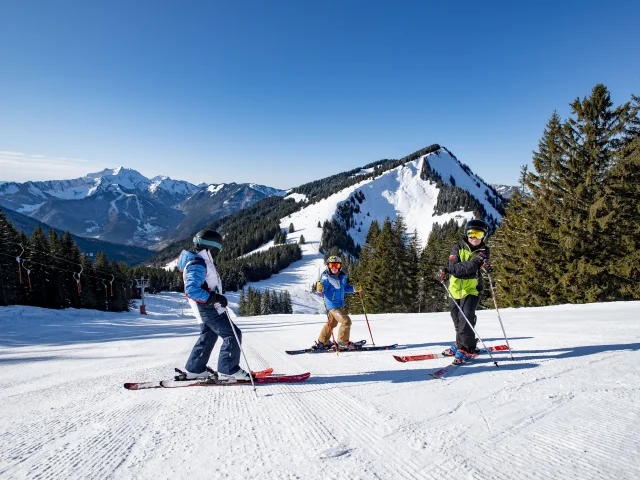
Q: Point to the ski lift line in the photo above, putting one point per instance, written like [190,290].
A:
[78,279]
[28,274]
[54,256]
[18,260]
[64,269]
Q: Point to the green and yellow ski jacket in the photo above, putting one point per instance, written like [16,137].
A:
[465,277]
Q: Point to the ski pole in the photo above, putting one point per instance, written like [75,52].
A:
[495,362]
[233,329]
[493,294]
[335,344]
[365,315]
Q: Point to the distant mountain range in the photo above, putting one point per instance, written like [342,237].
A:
[506,191]
[129,254]
[123,206]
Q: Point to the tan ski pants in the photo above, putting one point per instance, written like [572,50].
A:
[336,315]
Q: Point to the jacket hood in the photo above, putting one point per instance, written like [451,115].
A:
[184,258]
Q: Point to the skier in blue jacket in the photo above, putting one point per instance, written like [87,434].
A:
[333,286]
[203,288]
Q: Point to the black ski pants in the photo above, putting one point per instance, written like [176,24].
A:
[465,338]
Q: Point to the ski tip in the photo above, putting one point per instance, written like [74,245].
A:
[400,359]
[131,386]
[262,373]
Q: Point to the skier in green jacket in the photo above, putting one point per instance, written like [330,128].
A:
[467,258]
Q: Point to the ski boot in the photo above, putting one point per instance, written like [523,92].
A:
[186,375]
[449,352]
[239,376]
[461,356]
[322,346]
[348,346]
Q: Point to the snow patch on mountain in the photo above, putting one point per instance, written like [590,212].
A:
[297,197]
[29,208]
[363,171]
[215,188]
[401,191]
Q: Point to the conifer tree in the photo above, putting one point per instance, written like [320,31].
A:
[563,237]
[618,211]
[242,304]
[265,302]
[591,139]
[12,290]
[42,290]
[411,278]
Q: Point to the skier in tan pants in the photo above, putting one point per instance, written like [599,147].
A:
[333,285]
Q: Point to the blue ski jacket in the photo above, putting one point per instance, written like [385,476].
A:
[335,286]
[194,274]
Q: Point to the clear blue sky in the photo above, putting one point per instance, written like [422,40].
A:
[285,92]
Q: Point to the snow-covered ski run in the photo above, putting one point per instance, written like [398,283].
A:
[562,409]
[432,356]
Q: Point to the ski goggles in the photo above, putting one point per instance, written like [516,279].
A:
[479,234]
[207,243]
[334,265]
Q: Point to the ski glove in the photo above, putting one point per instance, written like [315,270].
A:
[319,287]
[486,267]
[357,289]
[217,298]
[440,275]
[481,256]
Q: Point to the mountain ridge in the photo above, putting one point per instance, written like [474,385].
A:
[120,205]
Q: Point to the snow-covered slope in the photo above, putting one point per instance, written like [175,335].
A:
[566,407]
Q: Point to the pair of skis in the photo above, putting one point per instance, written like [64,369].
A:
[262,377]
[443,372]
[355,347]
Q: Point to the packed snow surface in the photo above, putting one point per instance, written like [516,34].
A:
[567,407]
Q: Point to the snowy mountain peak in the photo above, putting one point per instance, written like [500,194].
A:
[127,178]
[173,187]
[457,174]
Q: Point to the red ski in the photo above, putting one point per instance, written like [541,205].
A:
[143,385]
[216,383]
[429,356]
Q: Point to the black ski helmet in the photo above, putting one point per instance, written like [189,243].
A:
[477,225]
[210,240]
